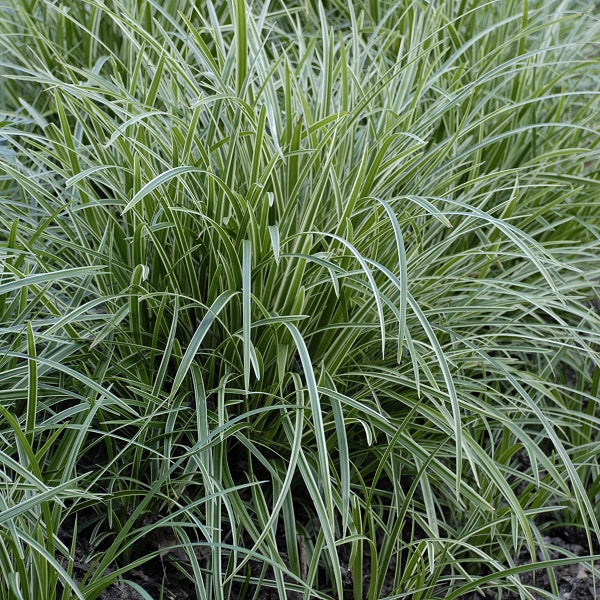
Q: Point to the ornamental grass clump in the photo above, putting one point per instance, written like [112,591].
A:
[297,297]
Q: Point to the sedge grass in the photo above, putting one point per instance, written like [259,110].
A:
[307,286]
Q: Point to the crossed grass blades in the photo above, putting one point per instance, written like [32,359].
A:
[299,286]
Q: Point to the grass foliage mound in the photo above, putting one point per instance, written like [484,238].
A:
[296,296]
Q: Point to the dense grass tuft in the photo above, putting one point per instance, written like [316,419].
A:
[296,295]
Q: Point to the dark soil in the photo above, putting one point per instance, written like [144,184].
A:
[574,581]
